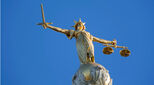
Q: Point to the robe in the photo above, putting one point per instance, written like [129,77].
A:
[84,45]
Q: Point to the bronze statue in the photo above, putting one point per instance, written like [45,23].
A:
[85,50]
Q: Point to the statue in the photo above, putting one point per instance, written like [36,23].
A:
[89,73]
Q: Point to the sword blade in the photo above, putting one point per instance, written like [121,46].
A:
[43,18]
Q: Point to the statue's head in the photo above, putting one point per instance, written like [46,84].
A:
[79,25]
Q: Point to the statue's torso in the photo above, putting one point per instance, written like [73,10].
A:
[84,45]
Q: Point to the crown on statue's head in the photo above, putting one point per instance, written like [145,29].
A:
[79,23]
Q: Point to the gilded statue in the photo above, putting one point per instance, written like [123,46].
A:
[89,73]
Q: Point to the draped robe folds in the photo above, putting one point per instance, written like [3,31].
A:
[84,45]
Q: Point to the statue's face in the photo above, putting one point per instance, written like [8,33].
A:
[79,26]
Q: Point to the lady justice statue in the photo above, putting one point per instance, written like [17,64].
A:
[89,73]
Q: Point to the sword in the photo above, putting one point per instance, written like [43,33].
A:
[43,18]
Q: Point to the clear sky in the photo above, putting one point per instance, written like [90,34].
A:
[32,55]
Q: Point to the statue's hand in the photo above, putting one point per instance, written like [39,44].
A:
[45,25]
[114,42]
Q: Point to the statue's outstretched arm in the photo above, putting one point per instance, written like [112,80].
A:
[68,33]
[65,31]
[95,39]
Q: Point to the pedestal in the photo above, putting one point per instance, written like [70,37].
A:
[91,74]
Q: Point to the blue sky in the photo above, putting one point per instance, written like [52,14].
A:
[32,55]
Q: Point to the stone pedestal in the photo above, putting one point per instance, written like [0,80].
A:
[91,74]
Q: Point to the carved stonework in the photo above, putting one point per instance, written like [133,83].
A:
[91,74]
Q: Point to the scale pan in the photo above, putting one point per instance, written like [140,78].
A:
[108,50]
[125,52]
